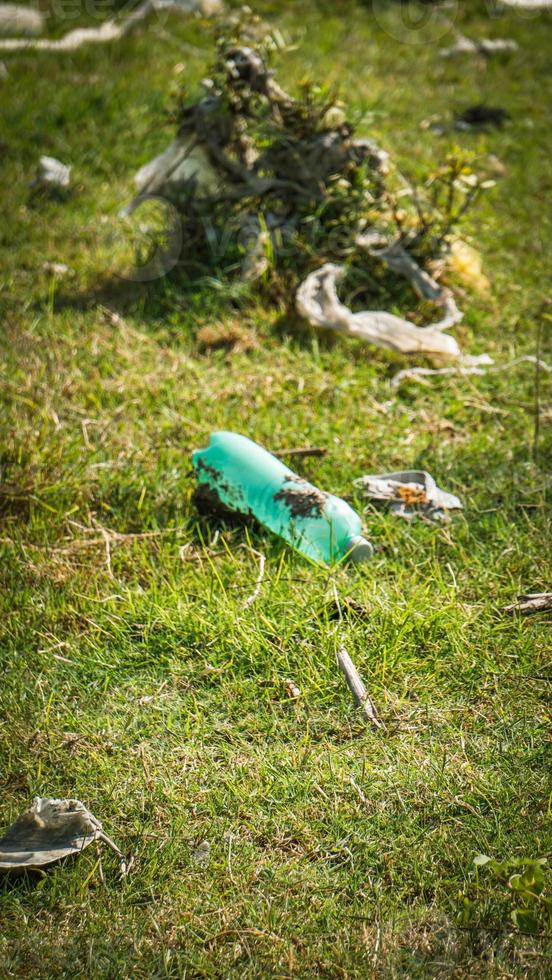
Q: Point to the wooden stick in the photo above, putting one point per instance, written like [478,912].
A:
[357,688]
[533,602]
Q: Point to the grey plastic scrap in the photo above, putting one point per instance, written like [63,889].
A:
[49,831]
[410,493]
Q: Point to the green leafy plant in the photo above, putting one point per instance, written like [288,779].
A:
[517,888]
[291,171]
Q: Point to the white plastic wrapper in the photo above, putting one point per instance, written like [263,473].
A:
[486,46]
[410,494]
[53,173]
[528,4]
[181,161]
[109,30]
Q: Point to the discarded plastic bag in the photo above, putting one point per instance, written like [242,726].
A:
[52,173]
[181,162]
[410,493]
[17,19]
[49,831]
[317,301]
[486,46]
[109,30]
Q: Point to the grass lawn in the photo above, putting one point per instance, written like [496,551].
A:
[271,837]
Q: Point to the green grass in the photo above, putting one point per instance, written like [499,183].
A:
[139,681]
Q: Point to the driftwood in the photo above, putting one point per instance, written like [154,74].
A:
[357,688]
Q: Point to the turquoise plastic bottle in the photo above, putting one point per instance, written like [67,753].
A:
[249,480]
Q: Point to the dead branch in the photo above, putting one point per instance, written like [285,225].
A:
[533,602]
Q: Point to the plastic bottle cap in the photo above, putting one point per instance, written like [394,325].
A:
[359,549]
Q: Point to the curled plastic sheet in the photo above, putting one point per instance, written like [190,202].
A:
[527,4]
[183,161]
[318,302]
[109,30]
[410,494]
[49,831]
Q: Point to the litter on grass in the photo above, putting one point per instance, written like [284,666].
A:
[283,179]
[236,475]
[56,268]
[49,831]
[410,494]
[479,365]
[481,116]
[357,688]
[528,4]
[318,302]
[110,30]
[202,853]
[51,173]
[17,19]
[476,118]
[292,690]
[532,602]
[486,46]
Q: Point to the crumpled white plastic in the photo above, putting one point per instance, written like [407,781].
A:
[53,173]
[528,4]
[183,160]
[17,19]
[318,302]
[410,494]
[110,30]
[485,46]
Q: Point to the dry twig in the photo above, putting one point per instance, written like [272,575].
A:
[532,602]
[357,688]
